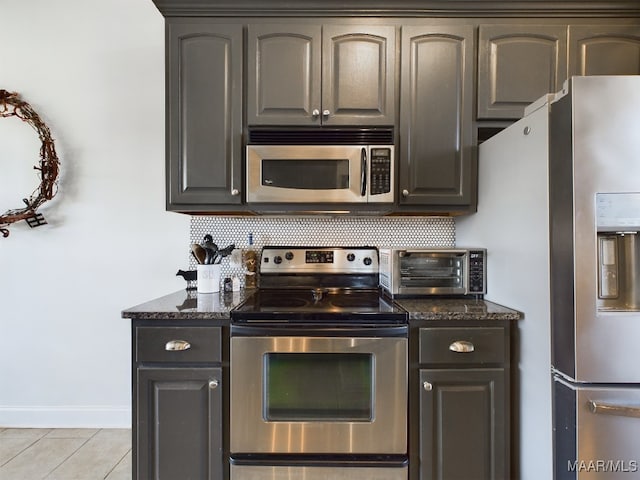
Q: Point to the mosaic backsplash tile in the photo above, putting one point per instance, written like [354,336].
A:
[320,231]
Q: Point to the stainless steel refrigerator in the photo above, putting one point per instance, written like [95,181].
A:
[559,212]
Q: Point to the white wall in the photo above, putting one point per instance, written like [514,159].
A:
[94,71]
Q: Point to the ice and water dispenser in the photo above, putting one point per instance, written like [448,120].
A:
[618,227]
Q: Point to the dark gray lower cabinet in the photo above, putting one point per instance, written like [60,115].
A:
[179,424]
[462,419]
[464,400]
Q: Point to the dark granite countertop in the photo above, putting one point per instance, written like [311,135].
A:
[189,305]
[456,309]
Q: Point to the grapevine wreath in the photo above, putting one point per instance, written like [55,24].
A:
[11,105]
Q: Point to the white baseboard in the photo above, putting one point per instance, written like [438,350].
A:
[47,416]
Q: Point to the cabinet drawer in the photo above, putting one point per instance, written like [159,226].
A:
[463,345]
[178,344]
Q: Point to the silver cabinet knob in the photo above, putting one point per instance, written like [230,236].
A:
[235,192]
[462,346]
[177,346]
[326,113]
[213,384]
[405,193]
[315,112]
[427,386]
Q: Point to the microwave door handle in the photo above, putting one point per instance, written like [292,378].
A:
[363,172]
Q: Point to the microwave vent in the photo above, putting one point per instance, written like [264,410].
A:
[320,135]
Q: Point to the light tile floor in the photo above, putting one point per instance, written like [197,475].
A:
[65,454]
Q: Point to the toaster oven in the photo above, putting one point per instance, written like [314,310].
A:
[433,271]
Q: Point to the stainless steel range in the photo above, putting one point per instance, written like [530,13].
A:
[318,371]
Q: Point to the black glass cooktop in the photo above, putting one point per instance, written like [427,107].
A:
[318,304]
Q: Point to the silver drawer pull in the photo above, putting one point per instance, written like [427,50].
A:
[462,346]
[609,409]
[427,386]
[177,346]
[213,384]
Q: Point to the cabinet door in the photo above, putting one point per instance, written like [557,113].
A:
[179,424]
[204,114]
[436,120]
[463,424]
[358,79]
[283,74]
[604,50]
[517,64]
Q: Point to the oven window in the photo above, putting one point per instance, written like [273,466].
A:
[306,174]
[318,387]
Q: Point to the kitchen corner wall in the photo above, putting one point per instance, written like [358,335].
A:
[322,231]
[94,72]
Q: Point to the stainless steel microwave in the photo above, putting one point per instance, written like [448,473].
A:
[324,167]
[433,271]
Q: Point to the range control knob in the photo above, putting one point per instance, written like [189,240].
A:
[277,259]
[288,255]
[351,257]
[367,261]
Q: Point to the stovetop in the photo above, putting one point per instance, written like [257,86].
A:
[319,285]
[323,305]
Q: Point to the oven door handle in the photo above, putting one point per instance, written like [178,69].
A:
[612,409]
[285,330]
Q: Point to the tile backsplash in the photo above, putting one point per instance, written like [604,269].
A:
[320,231]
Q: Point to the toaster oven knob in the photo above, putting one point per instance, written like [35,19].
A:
[367,261]
[277,259]
[288,255]
[351,257]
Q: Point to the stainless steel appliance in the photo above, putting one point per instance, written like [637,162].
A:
[318,370]
[433,271]
[562,185]
[320,165]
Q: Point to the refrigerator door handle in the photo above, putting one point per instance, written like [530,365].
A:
[610,409]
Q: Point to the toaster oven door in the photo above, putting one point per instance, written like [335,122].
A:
[431,272]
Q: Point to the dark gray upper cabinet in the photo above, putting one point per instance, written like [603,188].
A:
[204,114]
[517,64]
[604,50]
[320,75]
[419,8]
[284,74]
[437,166]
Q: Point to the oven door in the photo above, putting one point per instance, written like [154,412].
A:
[306,173]
[312,394]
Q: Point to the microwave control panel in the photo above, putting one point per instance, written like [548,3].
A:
[380,170]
